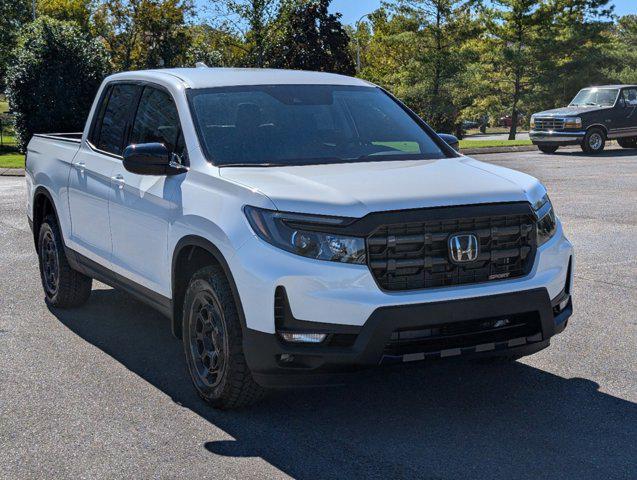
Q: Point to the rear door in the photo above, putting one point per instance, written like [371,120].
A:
[90,179]
[142,206]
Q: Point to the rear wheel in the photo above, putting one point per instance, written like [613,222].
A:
[594,141]
[630,142]
[212,339]
[548,148]
[63,286]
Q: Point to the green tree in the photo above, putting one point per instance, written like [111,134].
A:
[144,33]
[204,46]
[419,51]
[623,50]
[78,11]
[573,40]
[51,85]
[15,14]
[510,57]
[249,25]
[311,38]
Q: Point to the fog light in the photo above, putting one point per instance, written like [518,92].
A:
[564,303]
[300,337]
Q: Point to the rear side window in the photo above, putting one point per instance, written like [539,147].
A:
[157,121]
[109,134]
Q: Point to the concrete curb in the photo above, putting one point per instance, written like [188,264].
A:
[520,148]
[11,172]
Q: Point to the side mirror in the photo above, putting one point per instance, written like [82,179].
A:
[451,140]
[151,159]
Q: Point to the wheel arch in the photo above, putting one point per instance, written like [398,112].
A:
[43,205]
[600,126]
[190,254]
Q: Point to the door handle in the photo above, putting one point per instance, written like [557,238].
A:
[119,181]
[80,166]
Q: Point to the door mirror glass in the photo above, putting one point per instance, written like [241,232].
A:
[151,159]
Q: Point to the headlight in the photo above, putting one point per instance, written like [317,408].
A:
[546,223]
[532,123]
[301,234]
[573,122]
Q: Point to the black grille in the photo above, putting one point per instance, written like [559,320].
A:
[465,334]
[415,255]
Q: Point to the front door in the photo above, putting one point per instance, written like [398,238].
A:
[90,179]
[142,206]
[627,113]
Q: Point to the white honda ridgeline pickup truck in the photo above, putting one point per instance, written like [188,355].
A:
[294,226]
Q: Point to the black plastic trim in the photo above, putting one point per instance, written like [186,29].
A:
[190,241]
[322,363]
[62,137]
[94,270]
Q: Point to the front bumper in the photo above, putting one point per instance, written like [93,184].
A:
[552,137]
[275,363]
[343,299]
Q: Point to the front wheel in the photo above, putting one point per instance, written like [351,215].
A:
[630,142]
[212,339]
[594,141]
[548,148]
[63,286]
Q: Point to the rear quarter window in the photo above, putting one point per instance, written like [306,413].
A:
[115,114]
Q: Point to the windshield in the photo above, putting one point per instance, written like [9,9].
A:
[305,124]
[595,97]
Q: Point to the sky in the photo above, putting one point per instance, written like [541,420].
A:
[353,9]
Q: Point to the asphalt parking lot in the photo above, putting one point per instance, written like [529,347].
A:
[102,391]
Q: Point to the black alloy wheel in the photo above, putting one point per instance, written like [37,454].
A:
[208,340]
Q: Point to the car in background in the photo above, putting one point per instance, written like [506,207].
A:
[507,121]
[595,115]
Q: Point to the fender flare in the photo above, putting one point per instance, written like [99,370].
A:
[196,241]
[42,190]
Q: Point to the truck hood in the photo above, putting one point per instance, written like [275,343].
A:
[569,111]
[356,189]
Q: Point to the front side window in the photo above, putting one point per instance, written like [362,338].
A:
[157,121]
[305,124]
[115,118]
[595,97]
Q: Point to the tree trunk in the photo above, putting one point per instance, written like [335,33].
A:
[514,107]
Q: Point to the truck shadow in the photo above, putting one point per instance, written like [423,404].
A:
[444,420]
[628,152]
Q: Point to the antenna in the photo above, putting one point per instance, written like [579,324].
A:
[200,65]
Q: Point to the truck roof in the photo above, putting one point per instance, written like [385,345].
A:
[205,77]
[614,86]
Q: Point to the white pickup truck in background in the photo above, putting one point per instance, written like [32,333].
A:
[294,226]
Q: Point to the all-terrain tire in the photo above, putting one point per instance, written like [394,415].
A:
[63,286]
[212,340]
